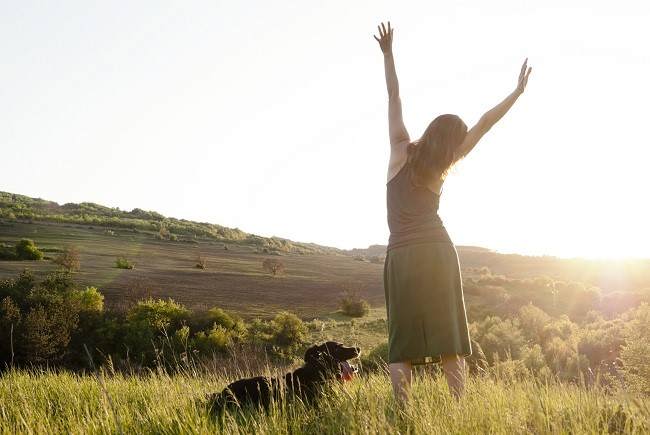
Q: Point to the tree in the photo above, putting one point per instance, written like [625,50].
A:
[499,339]
[68,259]
[634,354]
[273,266]
[533,321]
[26,250]
[47,331]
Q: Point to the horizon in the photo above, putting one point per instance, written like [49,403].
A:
[461,246]
[279,127]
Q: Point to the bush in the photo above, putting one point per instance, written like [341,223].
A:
[43,316]
[288,330]
[123,263]
[149,324]
[158,314]
[216,340]
[376,259]
[27,250]
[499,339]
[273,266]
[7,253]
[221,317]
[352,305]
[89,300]
[68,259]
[201,262]
[46,331]
[635,354]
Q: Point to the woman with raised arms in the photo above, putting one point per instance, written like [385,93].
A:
[422,279]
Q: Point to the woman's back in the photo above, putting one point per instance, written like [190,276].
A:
[412,212]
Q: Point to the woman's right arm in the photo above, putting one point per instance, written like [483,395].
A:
[493,115]
[396,129]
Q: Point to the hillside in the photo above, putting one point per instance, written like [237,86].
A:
[24,208]
[166,250]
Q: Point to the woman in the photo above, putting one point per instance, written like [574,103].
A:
[422,280]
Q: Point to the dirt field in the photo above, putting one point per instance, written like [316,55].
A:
[234,278]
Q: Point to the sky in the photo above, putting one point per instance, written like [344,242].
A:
[272,116]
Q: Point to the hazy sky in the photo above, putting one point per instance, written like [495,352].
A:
[271,116]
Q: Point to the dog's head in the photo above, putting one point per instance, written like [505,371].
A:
[331,359]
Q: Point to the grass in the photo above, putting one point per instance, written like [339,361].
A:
[46,402]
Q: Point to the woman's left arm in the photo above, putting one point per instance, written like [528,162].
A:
[492,116]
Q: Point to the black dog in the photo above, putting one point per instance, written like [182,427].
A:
[323,364]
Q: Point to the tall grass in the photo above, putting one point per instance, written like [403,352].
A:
[48,402]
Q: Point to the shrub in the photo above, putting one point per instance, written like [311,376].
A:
[89,300]
[216,340]
[27,250]
[273,266]
[46,331]
[376,259]
[499,339]
[533,359]
[288,330]
[533,321]
[158,314]
[68,259]
[352,305]
[7,253]
[635,353]
[148,325]
[123,263]
[201,262]
[221,317]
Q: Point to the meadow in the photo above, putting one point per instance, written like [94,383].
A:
[35,402]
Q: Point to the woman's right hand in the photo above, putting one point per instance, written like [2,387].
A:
[385,38]
[523,77]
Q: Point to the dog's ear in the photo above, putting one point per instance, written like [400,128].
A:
[312,355]
[330,347]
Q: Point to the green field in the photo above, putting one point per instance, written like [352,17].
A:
[65,403]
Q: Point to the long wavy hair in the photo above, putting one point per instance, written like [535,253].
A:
[436,151]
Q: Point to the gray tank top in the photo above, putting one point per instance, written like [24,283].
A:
[412,212]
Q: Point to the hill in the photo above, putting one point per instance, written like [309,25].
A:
[24,208]
[166,251]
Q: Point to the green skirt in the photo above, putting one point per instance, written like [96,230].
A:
[424,303]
